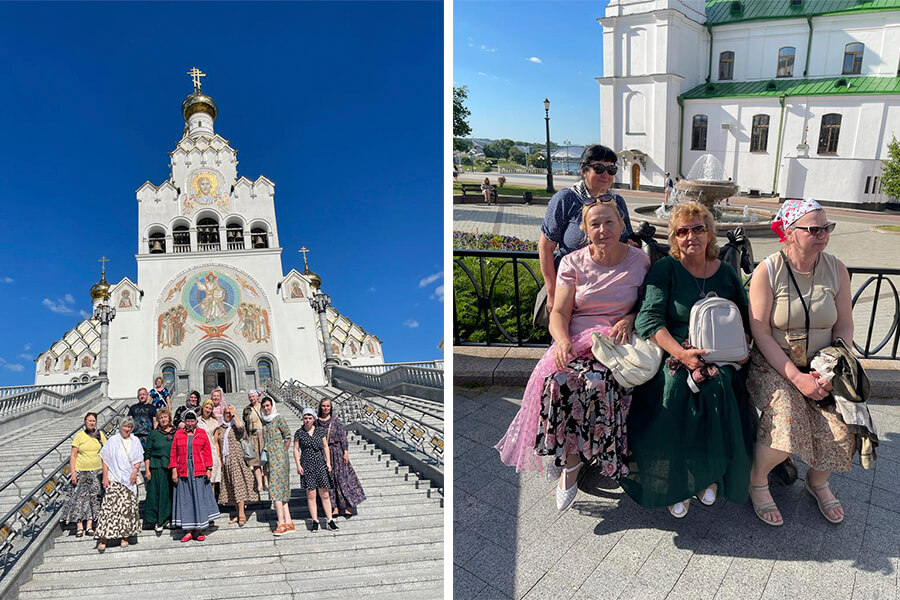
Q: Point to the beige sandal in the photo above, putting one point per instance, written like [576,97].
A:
[827,504]
[687,506]
[765,508]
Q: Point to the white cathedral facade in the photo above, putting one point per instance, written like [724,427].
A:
[794,97]
[212,305]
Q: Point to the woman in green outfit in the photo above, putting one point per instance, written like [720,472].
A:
[158,505]
[685,443]
[277,438]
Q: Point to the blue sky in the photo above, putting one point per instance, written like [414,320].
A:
[512,55]
[315,96]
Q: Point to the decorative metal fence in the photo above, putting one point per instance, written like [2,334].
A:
[494,293]
[417,427]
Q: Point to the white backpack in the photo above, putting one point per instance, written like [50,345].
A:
[716,325]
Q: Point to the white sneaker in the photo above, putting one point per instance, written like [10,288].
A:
[564,498]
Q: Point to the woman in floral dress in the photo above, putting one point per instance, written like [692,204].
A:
[237,479]
[573,408]
[277,437]
[347,492]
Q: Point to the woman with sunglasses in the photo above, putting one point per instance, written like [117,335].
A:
[685,443]
[573,408]
[561,231]
[799,303]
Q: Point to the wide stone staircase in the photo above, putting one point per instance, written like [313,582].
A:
[392,549]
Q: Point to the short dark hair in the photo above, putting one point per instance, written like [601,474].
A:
[597,152]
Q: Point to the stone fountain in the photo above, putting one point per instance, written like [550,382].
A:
[706,183]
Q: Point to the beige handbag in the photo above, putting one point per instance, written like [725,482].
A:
[631,364]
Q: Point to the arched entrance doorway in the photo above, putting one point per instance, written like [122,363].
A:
[635,176]
[217,373]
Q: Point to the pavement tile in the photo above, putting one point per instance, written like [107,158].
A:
[465,585]
[467,508]
[492,593]
[606,582]
[701,577]
[664,566]
[552,586]
[886,475]
[500,494]
[745,579]
[499,526]
[639,588]
[466,544]
[582,558]
[869,581]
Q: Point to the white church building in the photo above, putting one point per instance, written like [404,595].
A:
[212,305]
[794,97]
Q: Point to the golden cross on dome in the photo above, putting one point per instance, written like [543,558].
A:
[196,74]
[103,260]
[303,250]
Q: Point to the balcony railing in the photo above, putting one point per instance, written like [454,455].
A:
[237,245]
[209,247]
[494,293]
[181,248]
[432,378]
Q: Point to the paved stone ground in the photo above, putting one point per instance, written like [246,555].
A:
[511,542]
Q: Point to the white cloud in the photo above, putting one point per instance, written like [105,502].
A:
[482,74]
[439,293]
[70,299]
[372,289]
[535,59]
[7,280]
[59,306]
[27,347]
[16,367]
[26,356]
[411,323]
[84,314]
[486,49]
[430,279]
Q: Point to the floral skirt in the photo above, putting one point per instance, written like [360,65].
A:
[791,422]
[347,491]
[119,517]
[84,499]
[584,411]
[238,484]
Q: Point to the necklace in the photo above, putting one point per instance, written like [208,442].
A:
[705,269]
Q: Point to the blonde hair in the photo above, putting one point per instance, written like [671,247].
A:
[687,211]
[587,209]
[164,411]
[204,404]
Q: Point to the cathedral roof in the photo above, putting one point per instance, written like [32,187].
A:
[722,12]
[198,102]
[829,86]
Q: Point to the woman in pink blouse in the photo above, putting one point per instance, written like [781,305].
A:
[573,408]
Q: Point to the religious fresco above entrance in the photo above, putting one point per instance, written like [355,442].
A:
[205,189]
[212,302]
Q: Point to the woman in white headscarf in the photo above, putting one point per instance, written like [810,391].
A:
[122,456]
[237,479]
[799,303]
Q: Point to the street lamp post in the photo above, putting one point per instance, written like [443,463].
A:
[320,303]
[549,163]
[568,156]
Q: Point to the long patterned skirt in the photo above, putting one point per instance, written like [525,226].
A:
[584,412]
[237,478]
[84,500]
[347,492]
[119,517]
[194,505]
[158,505]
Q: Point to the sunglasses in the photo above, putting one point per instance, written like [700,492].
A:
[817,230]
[682,232]
[600,169]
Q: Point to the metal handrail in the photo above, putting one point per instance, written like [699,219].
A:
[490,312]
[32,505]
[48,452]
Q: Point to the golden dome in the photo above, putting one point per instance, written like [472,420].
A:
[314,279]
[198,102]
[100,290]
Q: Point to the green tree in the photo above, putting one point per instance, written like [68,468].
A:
[537,160]
[516,155]
[498,148]
[462,145]
[460,112]
[890,176]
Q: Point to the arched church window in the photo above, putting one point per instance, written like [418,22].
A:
[234,236]
[259,237]
[698,132]
[208,235]
[726,65]
[264,369]
[786,61]
[168,375]
[829,133]
[181,239]
[158,243]
[853,56]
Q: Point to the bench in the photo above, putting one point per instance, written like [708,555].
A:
[475,190]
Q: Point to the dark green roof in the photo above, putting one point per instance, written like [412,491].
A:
[832,86]
[720,12]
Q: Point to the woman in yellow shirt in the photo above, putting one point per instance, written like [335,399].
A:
[86,468]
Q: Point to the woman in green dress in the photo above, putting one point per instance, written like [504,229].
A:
[158,505]
[277,438]
[685,443]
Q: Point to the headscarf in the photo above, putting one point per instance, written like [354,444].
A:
[268,418]
[187,401]
[226,425]
[189,415]
[789,212]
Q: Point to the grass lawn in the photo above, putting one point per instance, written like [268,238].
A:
[508,189]
[893,228]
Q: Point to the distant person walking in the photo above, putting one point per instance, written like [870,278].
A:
[669,187]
